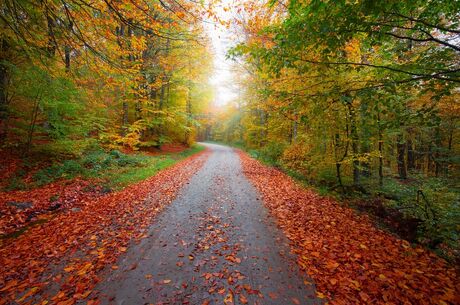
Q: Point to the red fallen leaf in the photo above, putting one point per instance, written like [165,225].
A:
[9,285]
[243,299]
[273,295]
[148,276]
[66,302]
[221,291]
[233,259]
[207,276]
[228,298]
[93,302]
[206,302]
[364,296]
[80,296]
[295,301]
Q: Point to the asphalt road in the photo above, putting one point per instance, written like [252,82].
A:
[214,244]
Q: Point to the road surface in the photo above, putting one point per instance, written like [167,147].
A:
[214,244]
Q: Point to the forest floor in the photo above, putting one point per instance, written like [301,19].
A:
[218,227]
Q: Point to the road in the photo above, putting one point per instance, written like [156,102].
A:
[214,244]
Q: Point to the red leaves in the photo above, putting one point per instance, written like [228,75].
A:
[351,261]
[40,202]
[79,245]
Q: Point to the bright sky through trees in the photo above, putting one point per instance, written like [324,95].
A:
[222,39]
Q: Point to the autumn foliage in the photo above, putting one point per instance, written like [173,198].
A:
[350,260]
[57,262]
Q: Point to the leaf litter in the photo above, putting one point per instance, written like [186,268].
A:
[70,249]
[350,260]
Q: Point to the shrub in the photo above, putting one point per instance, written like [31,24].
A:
[272,152]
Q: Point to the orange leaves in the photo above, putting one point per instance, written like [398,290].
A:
[80,244]
[228,300]
[350,260]
[233,259]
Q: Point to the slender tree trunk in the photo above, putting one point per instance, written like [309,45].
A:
[449,149]
[189,106]
[294,130]
[33,121]
[124,117]
[354,144]
[67,50]
[410,153]
[51,37]
[401,151]
[337,161]
[438,154]
[162,96]
[4,80]
[380,147]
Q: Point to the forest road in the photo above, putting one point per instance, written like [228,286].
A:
[215,244]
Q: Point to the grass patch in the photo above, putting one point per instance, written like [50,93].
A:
[119,178]
[115,169]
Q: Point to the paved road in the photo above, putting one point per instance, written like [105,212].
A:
[215,243]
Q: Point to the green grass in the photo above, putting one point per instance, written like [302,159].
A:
[114,169]
[119,178]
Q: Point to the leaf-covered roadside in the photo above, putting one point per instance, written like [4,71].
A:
[43,201]
[351,261]
[57,263]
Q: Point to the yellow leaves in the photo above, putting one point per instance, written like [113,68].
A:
[85,268]
[28,294]
[320,295]
[353,50]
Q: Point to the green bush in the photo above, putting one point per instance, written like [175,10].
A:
[272,152]
[434,202]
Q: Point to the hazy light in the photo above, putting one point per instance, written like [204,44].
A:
[222,78]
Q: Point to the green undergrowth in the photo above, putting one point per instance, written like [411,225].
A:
[424,210]
[121,177]
[113,169]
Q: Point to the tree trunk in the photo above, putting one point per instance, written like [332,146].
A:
[189,106]
[380,147]
[294,131]
[32,124]
[401,151]
[51,38]
[354,144]
[438,154]
[4,80]
[337,161]
[125,117]
[410,154]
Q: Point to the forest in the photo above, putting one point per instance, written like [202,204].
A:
[76,74]
[209,134]
[361,100]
